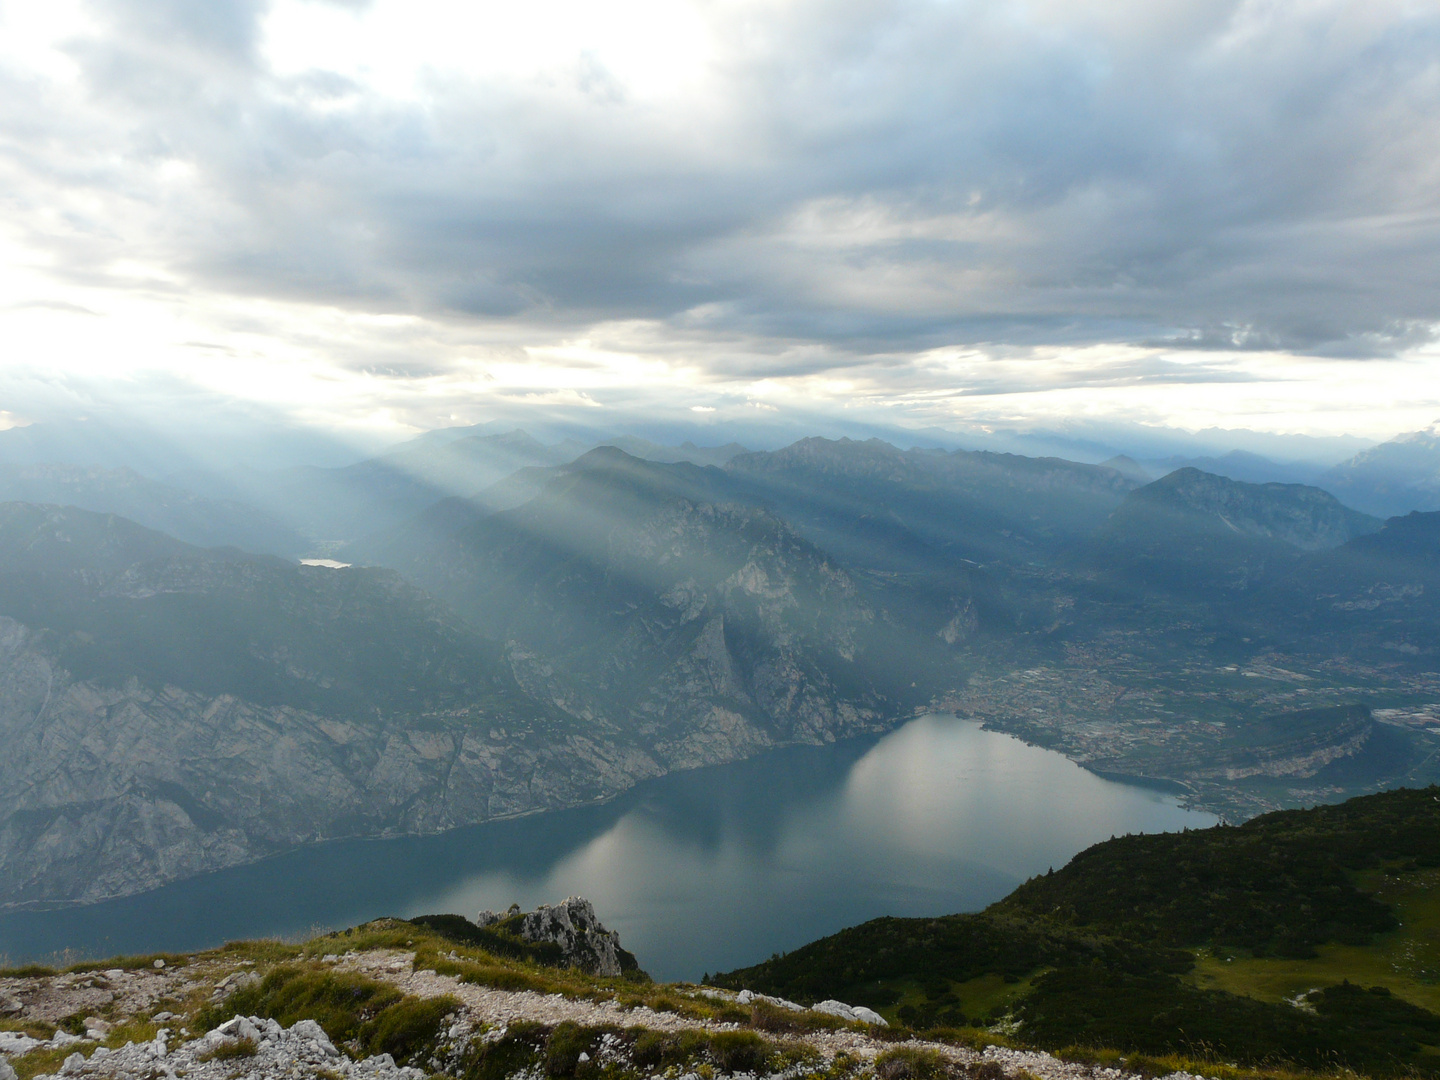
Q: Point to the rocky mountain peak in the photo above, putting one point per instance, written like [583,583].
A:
[1305,517]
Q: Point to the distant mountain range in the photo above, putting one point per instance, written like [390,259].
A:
[334,507]
[330,507]
[534,631]
[206,522]
[1393,478]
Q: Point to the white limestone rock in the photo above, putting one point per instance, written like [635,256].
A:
[745,997]
[302,1050]
[16,1042]
[573,925]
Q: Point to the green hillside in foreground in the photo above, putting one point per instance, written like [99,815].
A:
[1304,937]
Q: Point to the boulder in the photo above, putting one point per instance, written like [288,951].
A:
[834,1008]
[868,1016]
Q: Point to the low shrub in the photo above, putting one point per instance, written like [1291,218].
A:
[521,1049]
[231,1050]
[740,1051]
[340,1002]
[662,1049]
[408,1028]
[74,1024]
[566,1043]
[352,1009]
[913,1063]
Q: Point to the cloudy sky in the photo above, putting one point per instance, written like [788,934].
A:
[393,214]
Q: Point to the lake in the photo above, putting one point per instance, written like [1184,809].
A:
[698,871]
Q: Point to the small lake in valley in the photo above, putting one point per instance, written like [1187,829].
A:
[698,871]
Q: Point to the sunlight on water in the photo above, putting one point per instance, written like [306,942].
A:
[699,871]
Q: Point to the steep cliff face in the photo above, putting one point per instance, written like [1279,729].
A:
[112,789]
[166,710]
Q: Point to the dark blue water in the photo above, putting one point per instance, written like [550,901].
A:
[699,871]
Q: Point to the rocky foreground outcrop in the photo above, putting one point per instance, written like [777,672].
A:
[261,1048]
[573,926]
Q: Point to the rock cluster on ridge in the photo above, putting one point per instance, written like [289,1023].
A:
[261,1048]
[572,925]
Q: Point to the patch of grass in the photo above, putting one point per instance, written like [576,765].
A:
[261,951]
[409,1028]
[740,1051]
[971,1038]
[136,1031]
[28,971]
[1406,960]
[74,1024]
[564,1047]
[340,1002]
[663,1001]
[730,1051]
[665,1049]
[520,1049]
[377,934]
[231,1050]
[39,1062]
[794,1055]
[483,969]
[496,940]
[781,1021]
[912,1063]
[353,1010]
[498,977]
[36,1029]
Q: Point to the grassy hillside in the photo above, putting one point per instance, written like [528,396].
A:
[1310,937]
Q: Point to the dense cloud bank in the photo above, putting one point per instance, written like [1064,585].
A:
[773,189]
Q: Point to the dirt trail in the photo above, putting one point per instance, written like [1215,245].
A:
[505,1007]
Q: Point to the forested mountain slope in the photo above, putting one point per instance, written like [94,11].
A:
[1305,937]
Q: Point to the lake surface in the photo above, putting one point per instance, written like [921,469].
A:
[698,871]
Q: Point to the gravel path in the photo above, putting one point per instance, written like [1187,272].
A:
[504,1007]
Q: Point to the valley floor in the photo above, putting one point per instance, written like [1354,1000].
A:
[1138,709]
